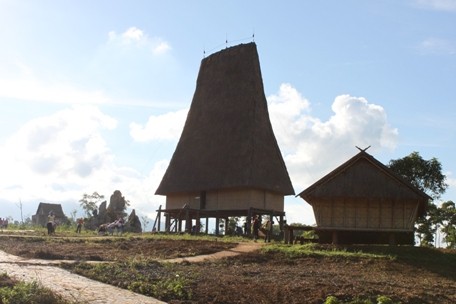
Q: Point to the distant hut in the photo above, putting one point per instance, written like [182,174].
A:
[227,162]
[41,216]
[363,201]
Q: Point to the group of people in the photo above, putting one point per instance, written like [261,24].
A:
[3,223]
[109,228]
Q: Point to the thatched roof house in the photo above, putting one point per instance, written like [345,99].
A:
[227,156]
[363,201]
[41,216]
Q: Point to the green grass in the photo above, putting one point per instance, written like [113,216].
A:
[143,276]
[315,250]
[70,232]
[376,300]
[14,292]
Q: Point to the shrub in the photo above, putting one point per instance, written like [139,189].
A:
[332,300]
[384,300]
[31,293]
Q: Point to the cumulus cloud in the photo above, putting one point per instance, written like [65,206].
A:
[312,147]
[167,126]
[58,157]
[66,147]
[135,37]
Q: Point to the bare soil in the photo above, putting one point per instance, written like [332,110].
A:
[416,275]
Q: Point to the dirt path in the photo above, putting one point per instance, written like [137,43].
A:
[239,249]
[82,290]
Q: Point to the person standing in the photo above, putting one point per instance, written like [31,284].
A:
[256,227]
[80,222]
[51,223]
[267,233]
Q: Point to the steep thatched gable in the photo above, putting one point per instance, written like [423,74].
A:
[228,141]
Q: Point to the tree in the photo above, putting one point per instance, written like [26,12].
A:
[19,205]
[89,202]
[145,220]
[427,176]
[447,220]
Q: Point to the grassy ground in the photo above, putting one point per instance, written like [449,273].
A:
[15,292]
[276,274]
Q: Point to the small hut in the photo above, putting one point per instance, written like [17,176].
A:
[41,216]
[227,162]
[364,202]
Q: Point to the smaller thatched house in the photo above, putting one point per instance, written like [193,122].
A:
[41,216]
[362,201]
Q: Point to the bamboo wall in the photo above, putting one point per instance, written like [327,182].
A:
[228,200]
[365,214]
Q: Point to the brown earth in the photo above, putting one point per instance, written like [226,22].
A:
[419,276]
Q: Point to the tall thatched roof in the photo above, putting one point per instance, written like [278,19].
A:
[227,140]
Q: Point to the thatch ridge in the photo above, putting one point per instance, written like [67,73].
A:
[227,140]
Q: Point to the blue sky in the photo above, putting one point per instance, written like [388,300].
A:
[94,94]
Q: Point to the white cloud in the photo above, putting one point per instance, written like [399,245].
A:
[133,33]
[61,151]
[57,158]
[167,126]
[312,147]
[161,48]
[440,5]
[135,37]
[22,84]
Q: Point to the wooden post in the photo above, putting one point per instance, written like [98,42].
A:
[248,225]
[167,222]
[188,222]
[159,220]
[335,237]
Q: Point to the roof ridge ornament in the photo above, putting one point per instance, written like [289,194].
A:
[362,150]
